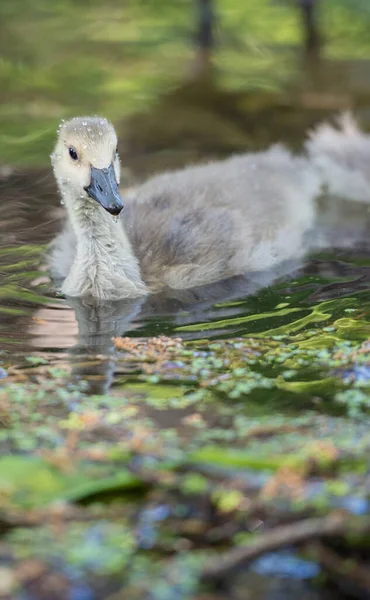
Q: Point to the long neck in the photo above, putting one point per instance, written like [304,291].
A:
[92,223]
[105,265]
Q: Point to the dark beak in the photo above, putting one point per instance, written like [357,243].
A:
[104,189]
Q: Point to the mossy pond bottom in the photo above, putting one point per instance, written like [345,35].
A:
[207,445]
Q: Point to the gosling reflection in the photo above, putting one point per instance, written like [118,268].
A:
[93,358]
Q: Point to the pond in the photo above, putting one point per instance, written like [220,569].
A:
[201,445]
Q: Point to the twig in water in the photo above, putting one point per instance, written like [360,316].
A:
[336,523]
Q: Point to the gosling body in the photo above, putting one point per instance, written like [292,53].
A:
[223,219]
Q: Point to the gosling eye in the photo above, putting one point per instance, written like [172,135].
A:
[72,153]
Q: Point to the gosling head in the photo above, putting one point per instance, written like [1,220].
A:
[86,164]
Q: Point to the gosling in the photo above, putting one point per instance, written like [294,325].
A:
[178,230]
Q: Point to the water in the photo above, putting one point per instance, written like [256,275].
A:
[310,322]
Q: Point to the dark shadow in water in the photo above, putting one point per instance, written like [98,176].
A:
[310,25]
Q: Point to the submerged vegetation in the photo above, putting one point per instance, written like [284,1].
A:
[203,457]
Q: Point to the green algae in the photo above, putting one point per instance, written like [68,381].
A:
[276,420]
[31,482]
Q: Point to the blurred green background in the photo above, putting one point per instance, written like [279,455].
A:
[119,57]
